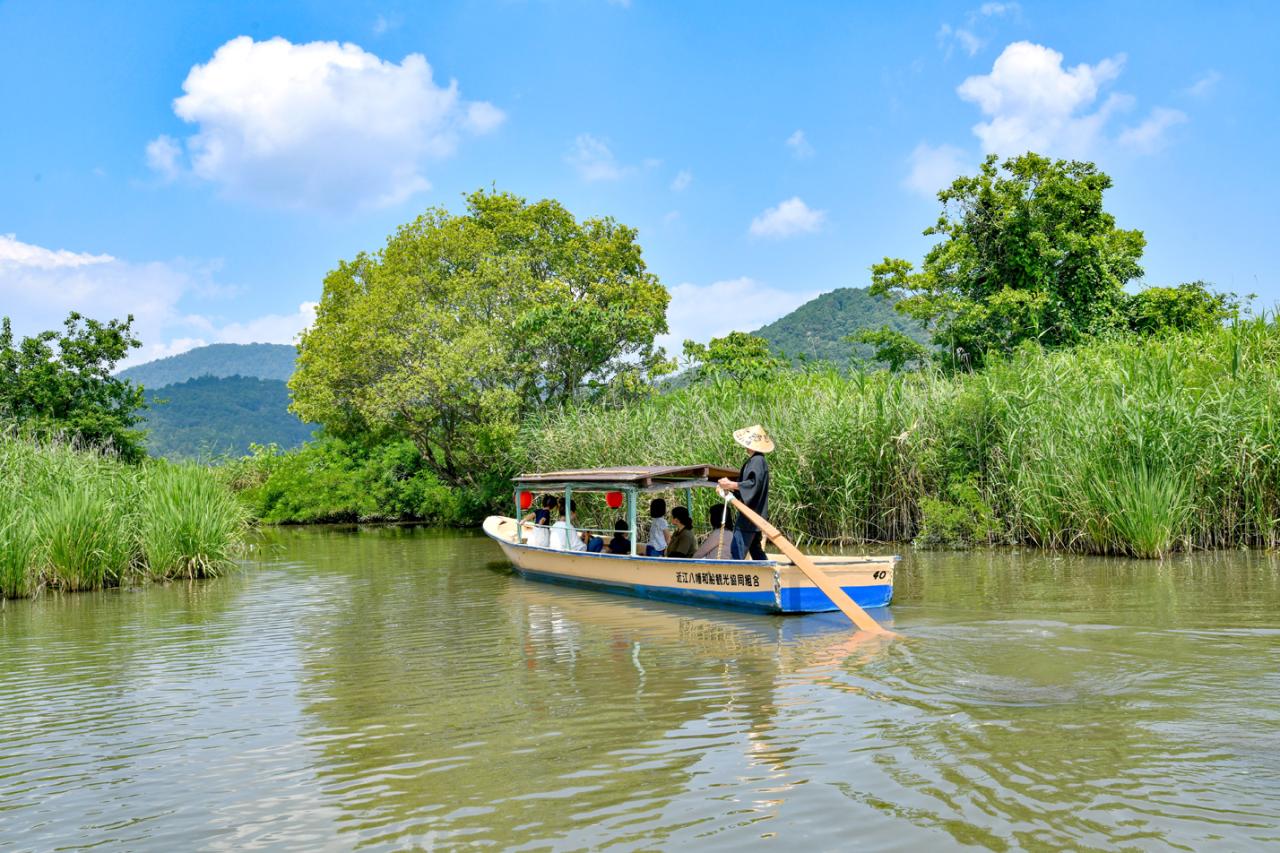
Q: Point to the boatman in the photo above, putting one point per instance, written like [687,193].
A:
[752,487]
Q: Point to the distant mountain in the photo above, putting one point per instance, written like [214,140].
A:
[262,361]
[210,416]
[815,331]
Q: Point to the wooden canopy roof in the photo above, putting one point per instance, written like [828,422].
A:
[639,476]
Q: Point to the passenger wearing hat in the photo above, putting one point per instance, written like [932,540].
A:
[752,487]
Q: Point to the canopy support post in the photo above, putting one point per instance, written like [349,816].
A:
[631,518]
[568,518]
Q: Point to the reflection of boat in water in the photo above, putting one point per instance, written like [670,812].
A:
[795,645]
[772,586]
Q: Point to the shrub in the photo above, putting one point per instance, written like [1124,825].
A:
[82,519]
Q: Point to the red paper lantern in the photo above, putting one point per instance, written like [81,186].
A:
[613,499]
[526,500]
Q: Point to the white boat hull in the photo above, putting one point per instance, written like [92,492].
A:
[770,586]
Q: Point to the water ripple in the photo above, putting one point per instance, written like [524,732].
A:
[397,689]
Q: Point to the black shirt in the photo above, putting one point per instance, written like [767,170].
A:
[753,490]
[619,544]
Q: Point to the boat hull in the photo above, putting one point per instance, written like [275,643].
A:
[766,586]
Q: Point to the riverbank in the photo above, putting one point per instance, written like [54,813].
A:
[77,519]
[1131,446]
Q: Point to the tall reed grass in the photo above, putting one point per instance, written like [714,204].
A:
[1128,446]
[78,519]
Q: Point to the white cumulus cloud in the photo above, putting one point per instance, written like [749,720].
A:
[1034,104]
[702,312]
[790,217]
[316,125]
[934,168]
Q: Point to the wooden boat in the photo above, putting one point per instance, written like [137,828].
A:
[775,585]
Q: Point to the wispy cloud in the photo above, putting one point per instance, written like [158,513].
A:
[789,218]
[383,24]
[702,312]
[593,160]
[1149,136]
[950,37]
[968,35]
[164,156]
[1204,85]
[15,254]
[799,145]
[934,168]
[682,180]
[39,286]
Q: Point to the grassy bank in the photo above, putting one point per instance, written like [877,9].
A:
[74,519]
[1134,447]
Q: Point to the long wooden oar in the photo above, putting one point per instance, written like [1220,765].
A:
[820,578]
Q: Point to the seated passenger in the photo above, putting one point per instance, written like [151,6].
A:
[620,543]
[659,530]
[565,535]
[539,534]
[716,546]
[682,542]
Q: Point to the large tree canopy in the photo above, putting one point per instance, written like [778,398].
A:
[464,324]
[737,357]
[1026,253]
[60,383]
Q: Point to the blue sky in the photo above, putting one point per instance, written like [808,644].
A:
[203,165]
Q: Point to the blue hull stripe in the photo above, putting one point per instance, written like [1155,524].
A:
[795,600]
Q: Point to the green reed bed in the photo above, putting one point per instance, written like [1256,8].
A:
[1120,447]
[76,519]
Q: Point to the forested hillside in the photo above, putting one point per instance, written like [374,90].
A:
[210,416]
[816,330]
[263,361]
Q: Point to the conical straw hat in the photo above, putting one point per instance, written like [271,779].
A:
[754,438]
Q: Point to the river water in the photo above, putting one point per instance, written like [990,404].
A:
[399,688]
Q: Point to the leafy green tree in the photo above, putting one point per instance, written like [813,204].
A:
[60,383]
[737,356]
[462,325]
[1189,307]
[894,348]
[1027,253]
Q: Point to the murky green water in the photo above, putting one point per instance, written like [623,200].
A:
[394,689]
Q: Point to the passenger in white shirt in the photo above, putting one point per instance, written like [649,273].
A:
[537,524]
[564,535]
[659,530]
[540,534]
